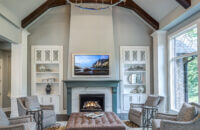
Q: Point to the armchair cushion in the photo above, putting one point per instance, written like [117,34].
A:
[13,127]
[166,116]
[152,101]
[30,126]
[48,113]
[32,102]
[3,118]
[21,119]
[136,111]
[187,112]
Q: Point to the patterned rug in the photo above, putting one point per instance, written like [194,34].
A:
[131,124]
[58,126]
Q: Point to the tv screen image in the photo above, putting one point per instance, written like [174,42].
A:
[91,65]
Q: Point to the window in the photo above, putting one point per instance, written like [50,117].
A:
[184,68]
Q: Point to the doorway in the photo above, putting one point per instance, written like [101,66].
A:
[5,75]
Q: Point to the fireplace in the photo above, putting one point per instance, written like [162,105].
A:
[92,102]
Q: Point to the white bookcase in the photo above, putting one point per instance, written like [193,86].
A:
[47,67]
[135,75]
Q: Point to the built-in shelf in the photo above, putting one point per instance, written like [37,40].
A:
[47,83]
[47,72]
[134,84]
[135,75]
[47,67]
[129,94]
[47,63]
[135,71]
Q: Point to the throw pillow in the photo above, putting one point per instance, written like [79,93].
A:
[32,103]
[152,101]
[187,112]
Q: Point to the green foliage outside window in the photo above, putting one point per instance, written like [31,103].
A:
[193,80]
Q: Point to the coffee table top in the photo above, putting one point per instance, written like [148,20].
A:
[109,121]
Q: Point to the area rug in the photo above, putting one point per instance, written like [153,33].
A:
[58,126]
[131,124]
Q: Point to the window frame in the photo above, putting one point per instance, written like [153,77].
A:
[171,59]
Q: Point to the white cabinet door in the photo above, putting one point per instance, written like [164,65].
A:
[50,100]
[55,55]
[142,98]
[136,99]
[39,55]
[127,56]
[127,101]
[134,55]
[142,55]
[47,55]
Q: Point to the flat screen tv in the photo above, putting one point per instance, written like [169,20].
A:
[91,65]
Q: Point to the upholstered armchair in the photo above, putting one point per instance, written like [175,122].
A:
[28,103]
[18,123]
[136,112]
[182,121]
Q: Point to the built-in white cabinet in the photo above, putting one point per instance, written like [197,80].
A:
[135,75]
[50,100]
[47,68]
[47,55]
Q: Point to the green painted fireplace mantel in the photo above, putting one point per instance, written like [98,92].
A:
[91,83]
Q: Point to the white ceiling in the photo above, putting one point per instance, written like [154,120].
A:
[22,8]
[156,8]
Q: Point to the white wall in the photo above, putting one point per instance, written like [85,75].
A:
[10,25]
[53,29]
[91,32]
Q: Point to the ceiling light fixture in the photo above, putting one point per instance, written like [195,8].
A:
[94,4]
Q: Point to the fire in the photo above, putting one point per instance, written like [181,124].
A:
[91,105]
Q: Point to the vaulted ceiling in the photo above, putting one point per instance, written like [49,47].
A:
[157,9]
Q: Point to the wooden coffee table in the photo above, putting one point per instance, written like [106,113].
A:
[109,121]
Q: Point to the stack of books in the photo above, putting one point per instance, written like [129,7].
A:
[94,115]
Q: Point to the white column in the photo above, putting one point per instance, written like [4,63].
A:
[18,72]
[160,64]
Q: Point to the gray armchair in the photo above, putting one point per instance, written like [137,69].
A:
[28,103]
[136,111]
[170,122]
[18,123]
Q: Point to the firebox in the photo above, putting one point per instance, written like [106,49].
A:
[92,102]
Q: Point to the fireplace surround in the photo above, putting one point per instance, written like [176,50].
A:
[92,102]
[72,84]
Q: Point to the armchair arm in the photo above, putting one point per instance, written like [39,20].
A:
[132,105]
[166,116]
[47,107]
[13,127]
[177,125]
[21,119]
[22,110]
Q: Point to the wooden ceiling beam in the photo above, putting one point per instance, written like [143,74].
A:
[129,4]
[40,10]
[139,11]
[185,3]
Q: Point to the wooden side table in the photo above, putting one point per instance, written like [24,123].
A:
[38,117]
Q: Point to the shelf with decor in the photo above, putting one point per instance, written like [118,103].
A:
[47,75]
[135,75]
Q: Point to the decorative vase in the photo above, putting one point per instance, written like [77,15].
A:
[48,89]
[140,89]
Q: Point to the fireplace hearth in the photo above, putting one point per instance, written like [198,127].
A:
[92,102]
